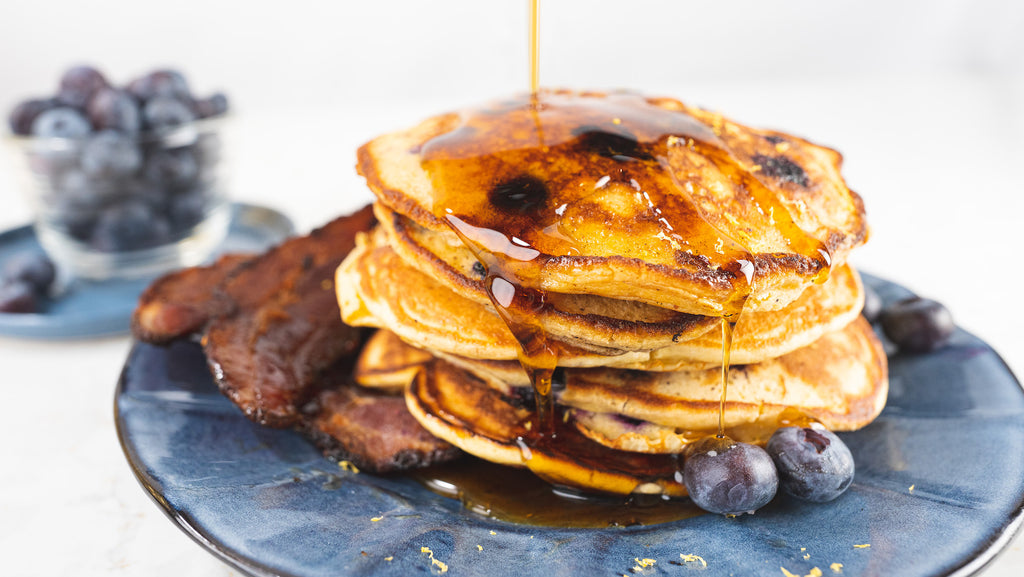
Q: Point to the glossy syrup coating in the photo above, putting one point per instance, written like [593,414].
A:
[564,176]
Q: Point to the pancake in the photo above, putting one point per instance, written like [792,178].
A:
[377,288]
[460,409]
[385,362]
[625,197]
[759,336]
[586,319]
[840,380]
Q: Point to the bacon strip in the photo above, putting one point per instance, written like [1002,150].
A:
[373,430]
[275,343]
[180,304]
[284,327]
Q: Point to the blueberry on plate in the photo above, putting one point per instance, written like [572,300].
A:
[165,112]
[917,325]
[110,154]
[79,84]
[813,463]
[113,109]
[32,268]
[727,477]
[61,122]
[128,226]
[17,297]
[25,113]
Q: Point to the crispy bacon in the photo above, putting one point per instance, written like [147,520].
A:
[284,326]
[275,343]
[372,429]
[181,303]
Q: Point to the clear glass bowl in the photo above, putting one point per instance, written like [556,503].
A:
[113,206]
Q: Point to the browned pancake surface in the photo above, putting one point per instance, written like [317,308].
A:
[480,420]
[640,198]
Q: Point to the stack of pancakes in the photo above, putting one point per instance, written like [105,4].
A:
[620,236]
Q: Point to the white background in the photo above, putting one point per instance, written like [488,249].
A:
[925,99]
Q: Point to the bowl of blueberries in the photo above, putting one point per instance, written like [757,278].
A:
[124,181]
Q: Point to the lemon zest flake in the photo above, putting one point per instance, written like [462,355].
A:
[836,567]
[479,547]
[787,573]
[348,466]
[389,558]
[864,546]
[644,563]
[815,572]
[693,559]
[442,567]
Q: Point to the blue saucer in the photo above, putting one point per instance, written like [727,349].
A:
[939,490]
[91,309]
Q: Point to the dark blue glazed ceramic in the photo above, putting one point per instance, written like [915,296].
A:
[939,490]
[90,309]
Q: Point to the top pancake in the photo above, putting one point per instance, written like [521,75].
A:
[625,197]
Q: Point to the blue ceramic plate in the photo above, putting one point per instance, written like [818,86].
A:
[939,490]
[102,308]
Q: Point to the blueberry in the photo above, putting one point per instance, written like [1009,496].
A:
[215,105]
[917,325]
[32,268]
[76,204]
[17,297]
[158,83]
[130,225]
[164,112]
[156,196]
[115,110]
[110,154]
[78,191]
[813,463]
[187,209]
[25,113]
[61,122]
[872,304]
[727,477]
[79,85]
[171,167]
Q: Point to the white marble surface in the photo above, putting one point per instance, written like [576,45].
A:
[937,159]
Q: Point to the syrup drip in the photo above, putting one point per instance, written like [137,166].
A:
[727,331]
[534,47]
